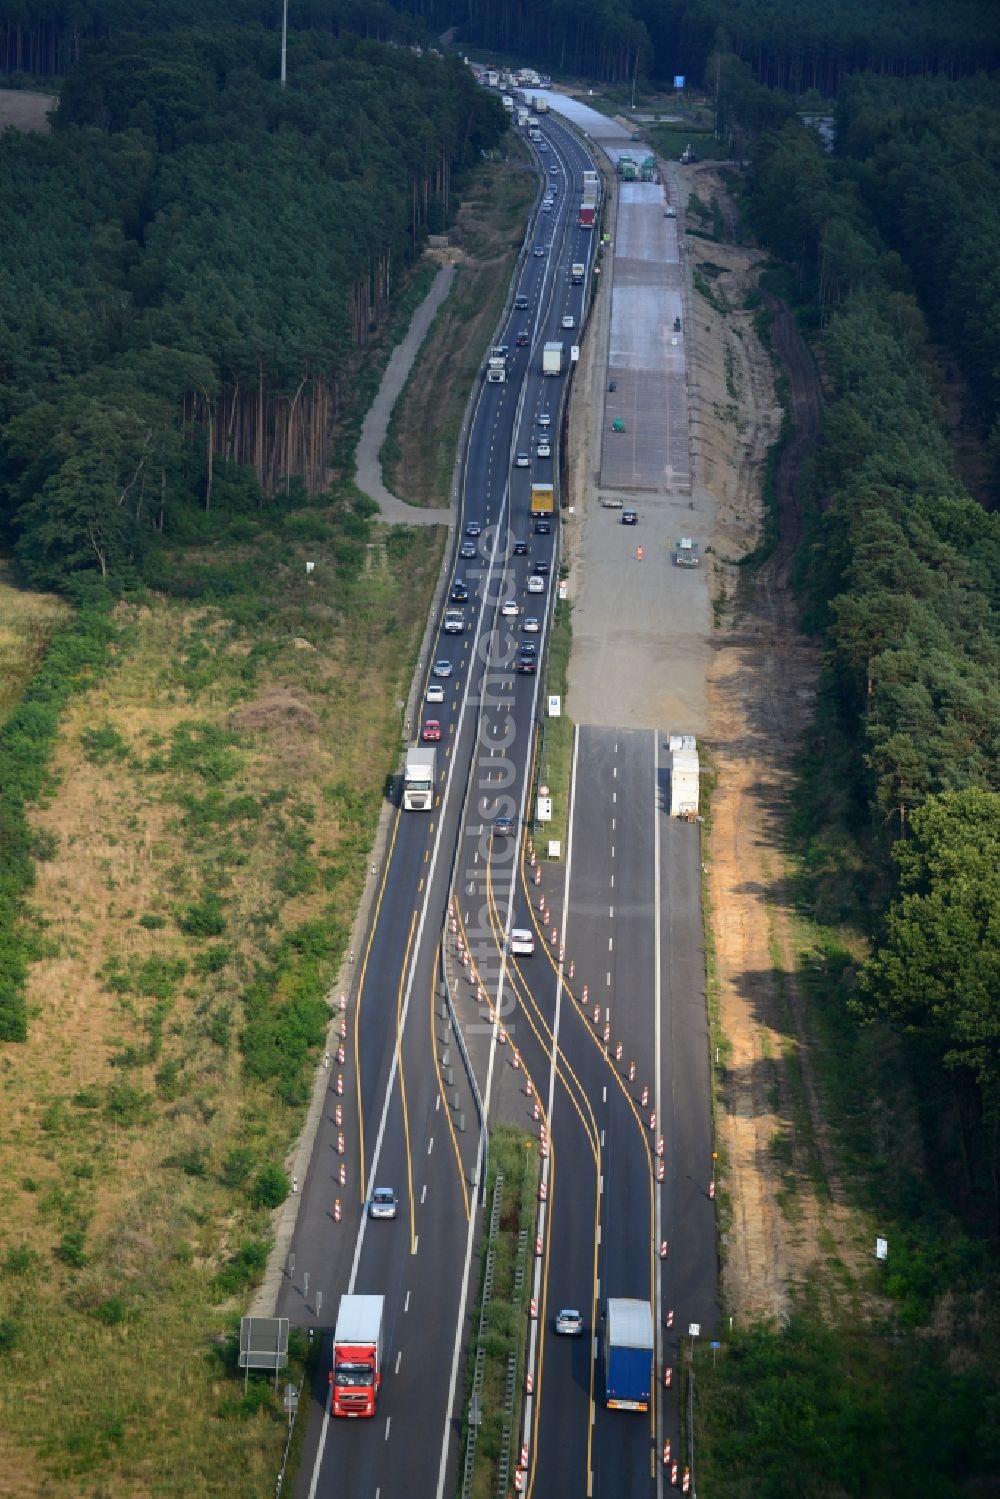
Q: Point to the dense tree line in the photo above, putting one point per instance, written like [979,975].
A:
[46,40]
[902,578]
[191,262]
[928,169]
[788,44]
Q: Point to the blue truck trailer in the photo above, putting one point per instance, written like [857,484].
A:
[628,1354]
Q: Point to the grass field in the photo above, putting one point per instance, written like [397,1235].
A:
[505,1328]
[27,621]
[200,853]
[556,753]
[419,452]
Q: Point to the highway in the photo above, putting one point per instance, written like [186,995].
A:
[628,911]
[626,905]
[394,1115]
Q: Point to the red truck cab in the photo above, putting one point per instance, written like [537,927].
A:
[357,1356]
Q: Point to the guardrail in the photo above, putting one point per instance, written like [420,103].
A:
[456,1031]
[472,1434]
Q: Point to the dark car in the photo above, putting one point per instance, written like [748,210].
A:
[541,567]
[473,529]
[543,528]
[521,303]
[630,517]
[459,592]
[526,664]
[503,827]
[467,550]
[520,548]
[523,340]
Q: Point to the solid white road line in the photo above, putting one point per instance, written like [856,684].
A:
[657,1193]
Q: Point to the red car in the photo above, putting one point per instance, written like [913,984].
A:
[431,731]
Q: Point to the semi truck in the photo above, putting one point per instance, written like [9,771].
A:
[628,1354]
[685,776]
[577,272]
[543,499]
[540,106]
[587,216]
[552,359]
[419,777]
[357,1354]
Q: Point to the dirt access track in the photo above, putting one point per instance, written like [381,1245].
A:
[752,699]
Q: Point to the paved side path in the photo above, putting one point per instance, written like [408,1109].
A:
[368,470]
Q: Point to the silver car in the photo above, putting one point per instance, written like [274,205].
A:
[569,1323]
[383,1203]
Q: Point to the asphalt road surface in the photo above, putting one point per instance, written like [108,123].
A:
[630,917]
[627,905]
[395,1110]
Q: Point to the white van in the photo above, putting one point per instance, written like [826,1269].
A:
[536,584]
[522,942]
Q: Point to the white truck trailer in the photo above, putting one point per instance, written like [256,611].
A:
[419,777]
[684,776]
[552,359]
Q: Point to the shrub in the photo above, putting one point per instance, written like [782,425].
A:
[10,1332]
[103,744]
[270,1187]
[168,1078]
[246,1266]
[204,918]
[237,1166]
[205,750]
[212,960]
[111,1311]
[192,1161]
[72,1248]
[20,1259]
[126,1104]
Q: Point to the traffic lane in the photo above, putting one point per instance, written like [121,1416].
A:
[561,1464]
[423,1292]
[624,1260]
[692,1271]
[624,1453]
[600,859]
[613,841]
[314,1235]
[622,1448]
[322,1188]
[634,820]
